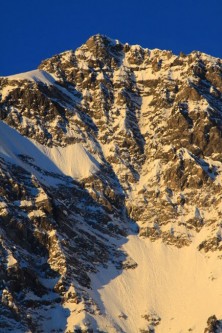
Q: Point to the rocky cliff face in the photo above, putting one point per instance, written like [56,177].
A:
[101,145]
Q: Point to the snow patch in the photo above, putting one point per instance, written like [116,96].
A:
[5,91]
[36,75]
[73,160]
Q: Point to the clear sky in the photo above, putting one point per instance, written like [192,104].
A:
[33,30]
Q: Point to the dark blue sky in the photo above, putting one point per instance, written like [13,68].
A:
[32,30]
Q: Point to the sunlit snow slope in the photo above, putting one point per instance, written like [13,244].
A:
[178,288]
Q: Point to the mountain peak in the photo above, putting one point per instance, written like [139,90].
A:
[101,40]
[110,197]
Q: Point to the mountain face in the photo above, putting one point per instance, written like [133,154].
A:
[110,197]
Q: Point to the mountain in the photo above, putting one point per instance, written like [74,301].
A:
[110,197]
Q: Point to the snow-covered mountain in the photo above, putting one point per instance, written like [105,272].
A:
[110,197]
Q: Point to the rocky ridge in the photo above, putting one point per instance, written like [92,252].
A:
[149,125]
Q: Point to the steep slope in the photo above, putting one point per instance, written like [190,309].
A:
[110,208]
